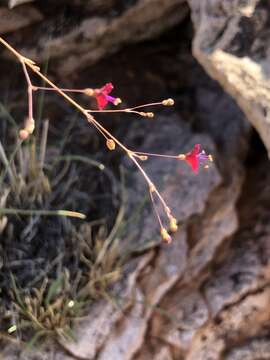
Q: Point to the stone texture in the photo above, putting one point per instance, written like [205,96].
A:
[14,3]
[93,331]
[223,311]
[256,349]
[174,179]
[88,32]
[167,279]
[232,44]
[238,323]
[18,19]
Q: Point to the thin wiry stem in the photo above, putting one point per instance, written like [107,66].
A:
[146,105]
[29,90]
[151,185]
[128,110]
[51,89]
[155,209]
[111,140]
[178,157]
[82,91]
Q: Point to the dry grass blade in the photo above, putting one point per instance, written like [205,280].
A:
[26,212]
[47,311]
[7,165]
[80,158]
[43,143]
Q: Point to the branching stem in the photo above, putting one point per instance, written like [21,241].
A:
[111,140]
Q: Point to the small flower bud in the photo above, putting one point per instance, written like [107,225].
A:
[168,102]
[210,157]
[110,144]
[182,157]
[89,92]
[173,224]
[27,60]
[152,188]
[30,125]
[165,236]
[206,167]
[23,134]
[36,68]
[117,101]
[143,157]
[147,114]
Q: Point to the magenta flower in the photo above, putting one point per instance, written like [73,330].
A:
[194,158]
[103,98]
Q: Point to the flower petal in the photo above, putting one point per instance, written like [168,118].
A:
[196,149]
[193,162]
[101,101]
[106,89]
[192,158]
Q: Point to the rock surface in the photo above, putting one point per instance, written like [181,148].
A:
[16,20]
[232,44]
[163,296]
[79,34]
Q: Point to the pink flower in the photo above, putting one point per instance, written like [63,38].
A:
[103,98]
[194,158]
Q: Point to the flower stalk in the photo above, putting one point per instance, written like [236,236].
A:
[103,97]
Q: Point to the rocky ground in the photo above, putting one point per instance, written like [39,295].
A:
[205,296]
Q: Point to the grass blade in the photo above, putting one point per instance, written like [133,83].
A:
[27,212]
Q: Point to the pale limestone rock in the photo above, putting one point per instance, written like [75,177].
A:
[240,320]
[93,331]
[13,20]
[232,44]
[14,3]
[87,38]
